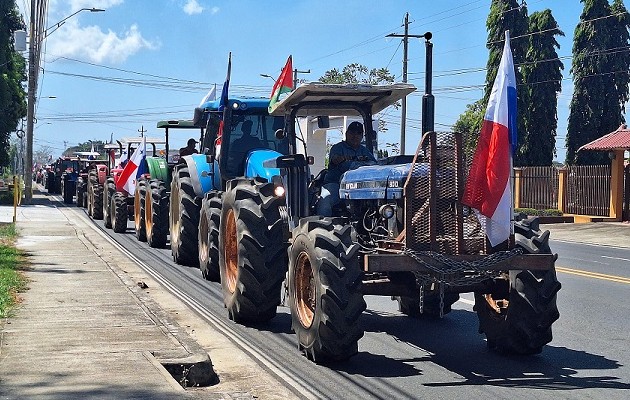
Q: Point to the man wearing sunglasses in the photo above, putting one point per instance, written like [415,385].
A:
[344,156]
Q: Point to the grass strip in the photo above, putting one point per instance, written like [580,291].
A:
[11,279]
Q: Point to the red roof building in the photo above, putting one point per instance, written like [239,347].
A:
[617,140]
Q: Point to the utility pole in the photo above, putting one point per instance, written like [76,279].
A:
[403,116]
[142,131]
[295,75]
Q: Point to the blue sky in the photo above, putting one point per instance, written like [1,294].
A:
[141,61]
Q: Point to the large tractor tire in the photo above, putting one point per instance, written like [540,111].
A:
[516,313]
[120,213]
[108,193]
[209,223]
[325,289]
[81,193]
[184,218]
[156,216]
[68,192]
[50,182]
[95,200]
[253,256]
[139,220]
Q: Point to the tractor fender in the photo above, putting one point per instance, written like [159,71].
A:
[158,169]
[204,177]
[254,164]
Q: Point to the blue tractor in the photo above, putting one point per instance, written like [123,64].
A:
[401,231]
[236,142]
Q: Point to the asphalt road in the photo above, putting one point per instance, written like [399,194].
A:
[402,358]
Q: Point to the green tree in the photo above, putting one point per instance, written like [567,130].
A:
[601,63]
[12,74]
[358,73]
[542,75]
[469,125]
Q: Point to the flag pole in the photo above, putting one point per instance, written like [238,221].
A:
[512,188]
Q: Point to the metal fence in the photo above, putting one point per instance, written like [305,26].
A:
[539,187]
[588,190]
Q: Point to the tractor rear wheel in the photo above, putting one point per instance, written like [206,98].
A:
[96,196]
[156,214]
[517,312]
[184,218]
[120,213]
[68,192]
[209,222]
[110,189]
[139,198]
[253,255]
[325,289]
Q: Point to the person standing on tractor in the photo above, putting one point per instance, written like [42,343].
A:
[189,149]
[344,156]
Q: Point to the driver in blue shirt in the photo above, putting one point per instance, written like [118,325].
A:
[344,156]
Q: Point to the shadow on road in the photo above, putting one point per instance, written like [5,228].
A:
[455,344]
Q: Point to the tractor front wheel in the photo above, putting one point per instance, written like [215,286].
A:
[325,289]
[184,218]
[517,312]
[139,212]
[110,189]
[156,214]
[120,213]
[252,256]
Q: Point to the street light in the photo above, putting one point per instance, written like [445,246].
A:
[56,26]
[38,34]
[268,76]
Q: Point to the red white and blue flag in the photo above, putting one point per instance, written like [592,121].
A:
[489,186]
[135,167]
[223,104]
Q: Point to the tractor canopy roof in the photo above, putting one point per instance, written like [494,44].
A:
[134,140]
[329,99]
[178,124]
[239,103]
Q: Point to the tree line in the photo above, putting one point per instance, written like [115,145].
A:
[600,68]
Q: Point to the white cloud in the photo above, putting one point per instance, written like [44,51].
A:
[93,44]
[193,7]
[214,10]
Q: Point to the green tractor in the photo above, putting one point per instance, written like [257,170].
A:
[120,206]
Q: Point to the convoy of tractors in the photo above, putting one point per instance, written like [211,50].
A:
[244,211]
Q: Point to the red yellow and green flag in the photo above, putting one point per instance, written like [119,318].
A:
[284,84]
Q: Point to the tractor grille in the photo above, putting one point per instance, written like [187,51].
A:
[435,219]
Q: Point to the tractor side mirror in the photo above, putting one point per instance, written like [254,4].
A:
[323,122]
[280,134]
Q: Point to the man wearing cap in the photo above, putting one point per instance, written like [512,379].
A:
[189,149]
[344,156]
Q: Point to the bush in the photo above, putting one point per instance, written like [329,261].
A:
[6,197]
[551,212]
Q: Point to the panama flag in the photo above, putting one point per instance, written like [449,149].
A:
[489,187]
[223,103]
[133,169]
[284,84]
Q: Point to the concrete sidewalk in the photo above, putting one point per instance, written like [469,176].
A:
[615,234]
[84,330]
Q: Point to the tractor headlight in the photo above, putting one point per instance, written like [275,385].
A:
[279,191]
[387,211]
